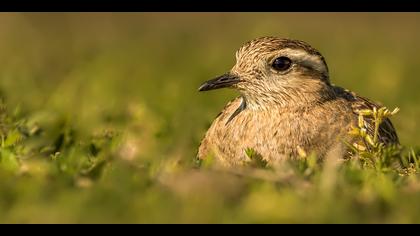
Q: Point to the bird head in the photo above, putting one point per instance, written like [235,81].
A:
[275,71]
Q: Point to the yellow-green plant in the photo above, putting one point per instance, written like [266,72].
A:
[369,149]
[378,116]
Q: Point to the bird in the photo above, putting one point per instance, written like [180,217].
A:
[286,106]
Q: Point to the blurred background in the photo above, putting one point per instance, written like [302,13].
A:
[94,65]
[138,73]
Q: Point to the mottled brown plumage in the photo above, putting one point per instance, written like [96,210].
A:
[287,105]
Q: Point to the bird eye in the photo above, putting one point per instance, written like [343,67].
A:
[281,63]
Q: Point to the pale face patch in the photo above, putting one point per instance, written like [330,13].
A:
[303,58]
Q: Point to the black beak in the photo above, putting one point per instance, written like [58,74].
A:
[223,81]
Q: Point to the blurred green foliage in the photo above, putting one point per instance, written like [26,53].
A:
[100,119]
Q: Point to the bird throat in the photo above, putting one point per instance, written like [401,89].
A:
[292,98]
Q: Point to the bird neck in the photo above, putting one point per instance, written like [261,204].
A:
[289,97]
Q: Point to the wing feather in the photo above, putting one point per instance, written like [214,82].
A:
[387,132]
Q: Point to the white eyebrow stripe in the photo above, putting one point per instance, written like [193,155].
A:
[306,59]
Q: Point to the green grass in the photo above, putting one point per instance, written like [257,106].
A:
[100,120]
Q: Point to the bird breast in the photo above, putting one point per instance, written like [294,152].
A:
[275,133]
